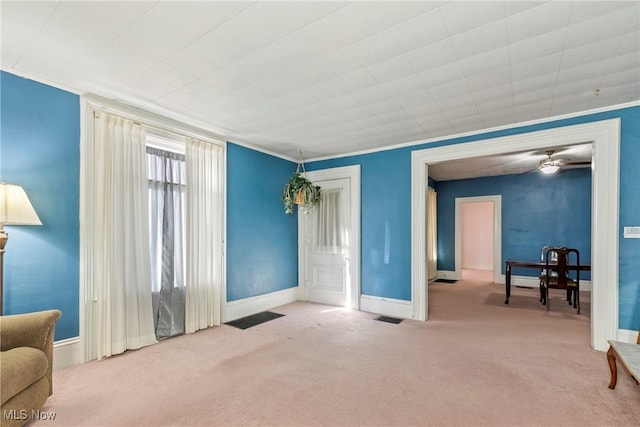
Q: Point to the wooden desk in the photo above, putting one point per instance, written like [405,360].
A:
[539,265]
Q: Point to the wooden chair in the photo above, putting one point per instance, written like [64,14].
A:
[558,275]
[543,254]
[628,355]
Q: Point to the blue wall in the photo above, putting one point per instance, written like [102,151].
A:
[386,195]
[537,210]
[40,150]
[385,220]
[262,241]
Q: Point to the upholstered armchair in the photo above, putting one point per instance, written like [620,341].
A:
[26,364]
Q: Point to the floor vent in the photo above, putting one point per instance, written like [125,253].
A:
[446,281]
[388,319]
[253,320]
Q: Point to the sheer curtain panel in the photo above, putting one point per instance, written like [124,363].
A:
[115,250]
[204,234]
[330,223]
[432,239]
[167,205]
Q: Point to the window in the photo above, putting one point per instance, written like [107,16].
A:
[167,204]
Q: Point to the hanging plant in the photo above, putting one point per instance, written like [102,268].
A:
[300,191]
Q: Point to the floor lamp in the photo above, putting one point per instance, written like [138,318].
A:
[15,209]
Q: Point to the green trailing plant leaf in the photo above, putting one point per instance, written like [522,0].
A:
[310,193]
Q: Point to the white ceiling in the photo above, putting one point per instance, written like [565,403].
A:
[334,77]
[517,162]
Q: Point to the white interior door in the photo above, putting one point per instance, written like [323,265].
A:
[327,244]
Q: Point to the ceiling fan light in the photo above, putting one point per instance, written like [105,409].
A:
[549,169]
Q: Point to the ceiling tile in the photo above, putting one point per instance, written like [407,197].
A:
[337,63]
[585,87]
[524,97]
[432,56]
[488,61]
[497,92]
[458,107]
[539,20]
[466,124]
[373,49]
[498,117]
[587,10]
[161,30]
[480,82]
[399,87]
[629,76]
[440,75]
[481,40]
[611,26]
[487,106]
[191,60]
[563,105]
[356,80]
[390,69]
[592,52]
[356,113]
[385,106]
[369,94]
[149,87]
[399,114]
[90,27]
[513,7]
[412,99]
[450,90]
[535,47]
[462,16]
[539,66]
[419,31]
[119,63]
[535,83]
[28,19]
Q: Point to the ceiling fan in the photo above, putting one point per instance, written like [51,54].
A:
[550,166]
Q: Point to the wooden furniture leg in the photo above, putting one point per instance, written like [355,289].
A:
[611,358]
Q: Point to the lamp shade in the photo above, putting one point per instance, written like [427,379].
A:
[15,207]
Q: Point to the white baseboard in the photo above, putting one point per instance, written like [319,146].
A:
[67,353]
[252,305]
[481,267]
[625,335]
[386,306]
[447,274]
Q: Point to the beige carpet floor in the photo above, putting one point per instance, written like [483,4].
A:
[476,362]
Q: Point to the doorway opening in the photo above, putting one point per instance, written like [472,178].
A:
[605,136]
[478,236]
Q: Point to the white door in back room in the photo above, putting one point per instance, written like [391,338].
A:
[477,236]
[478,239]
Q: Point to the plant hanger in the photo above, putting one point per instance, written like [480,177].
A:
[299,190]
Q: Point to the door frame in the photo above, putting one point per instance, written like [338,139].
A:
[605,195]
[353,273]
[497,233]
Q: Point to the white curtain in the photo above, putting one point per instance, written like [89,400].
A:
[204,163]
[432,230]
[116,262]
[330,223]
